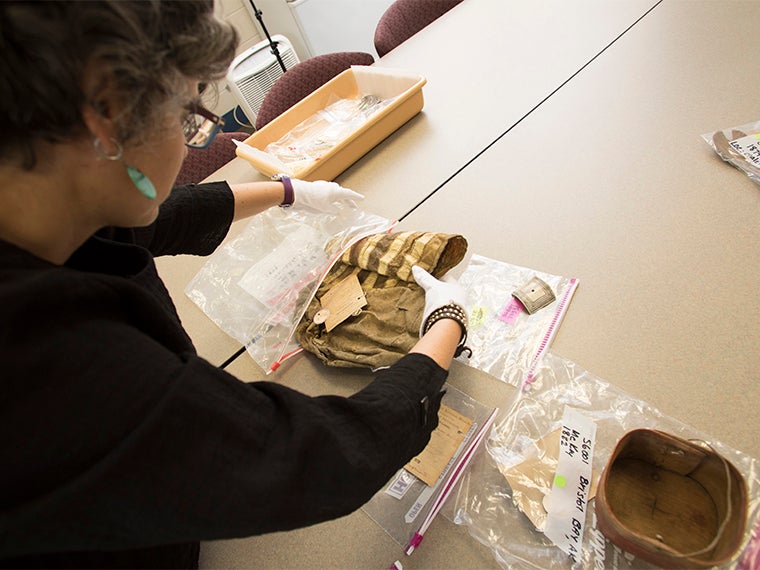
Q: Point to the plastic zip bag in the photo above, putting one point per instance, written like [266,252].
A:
[406,506]
[497,514]
[257,286]
[739,146]
[313,137]
[506,341]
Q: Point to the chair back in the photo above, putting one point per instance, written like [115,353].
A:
[202,162]
[304,78]
[404,18]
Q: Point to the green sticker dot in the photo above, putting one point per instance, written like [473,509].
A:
[560,481]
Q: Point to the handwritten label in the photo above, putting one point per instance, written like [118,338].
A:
[290,265]
[444,442]
[428,491]
[343,300]
[510,313]
[568,500]
[749,148]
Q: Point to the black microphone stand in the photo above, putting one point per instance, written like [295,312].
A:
[272,43]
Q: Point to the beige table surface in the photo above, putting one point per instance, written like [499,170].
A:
[610,182]
[607,181]
[488,63]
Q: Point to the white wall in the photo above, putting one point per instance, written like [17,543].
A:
[236,13]
[313,27]
[338,25]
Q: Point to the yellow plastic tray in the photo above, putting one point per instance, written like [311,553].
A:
[359,80]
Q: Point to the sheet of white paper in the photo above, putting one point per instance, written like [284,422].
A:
[286,266]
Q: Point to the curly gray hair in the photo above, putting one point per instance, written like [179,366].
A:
[145,47]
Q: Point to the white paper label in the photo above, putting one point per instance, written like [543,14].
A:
[291,264]
[421,501]
[401,484]
[749,147]
[568,500]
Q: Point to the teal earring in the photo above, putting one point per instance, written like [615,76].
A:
[141,182]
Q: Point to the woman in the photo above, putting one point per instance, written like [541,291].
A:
[121,447]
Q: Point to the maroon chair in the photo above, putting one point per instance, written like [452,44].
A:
[202,162]
[404,18]
[304,78]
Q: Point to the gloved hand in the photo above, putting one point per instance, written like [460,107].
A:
[321,196]
[438,292]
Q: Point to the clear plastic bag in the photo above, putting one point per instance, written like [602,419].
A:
[739,146]
[312,138]
[506,341]
[488,505]
[257,286]
[405,515]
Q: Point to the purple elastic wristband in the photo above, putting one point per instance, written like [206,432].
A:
[289,197]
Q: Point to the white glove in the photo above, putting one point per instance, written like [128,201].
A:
[438,293]
[321,196]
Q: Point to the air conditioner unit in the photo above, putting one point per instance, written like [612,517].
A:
[254,71]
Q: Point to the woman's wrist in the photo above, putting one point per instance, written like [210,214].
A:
[288,195]
[453,312]
[440,342]
[252,198]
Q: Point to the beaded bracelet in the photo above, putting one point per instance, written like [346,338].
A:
[454,312]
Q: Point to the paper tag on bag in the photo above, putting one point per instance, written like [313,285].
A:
[342,300]
[444,442]
[532,479]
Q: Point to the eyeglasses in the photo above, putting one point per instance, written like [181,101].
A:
[200,126]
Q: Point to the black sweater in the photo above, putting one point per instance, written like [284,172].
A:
[122,447]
